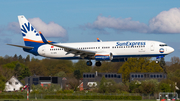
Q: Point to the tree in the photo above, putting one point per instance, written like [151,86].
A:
[24,73]
[134,87]
[107,86]
[175,60]
[77,74]
[73,82]
[167,86]
[108,67]
[149,86]
[15,58]
[102,86]
[82,67]
[17,70]
[20,58]
[162,64]
[61,74]
[37,68]
[6,72]
[27,58]
[138,65]
[2,82]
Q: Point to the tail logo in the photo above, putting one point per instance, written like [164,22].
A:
[26,28]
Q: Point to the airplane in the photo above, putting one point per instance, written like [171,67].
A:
[114,51]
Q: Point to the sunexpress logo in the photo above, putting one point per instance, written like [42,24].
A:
[131,44]
[26,28]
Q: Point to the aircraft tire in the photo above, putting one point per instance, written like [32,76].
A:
[89,63]
[98,63]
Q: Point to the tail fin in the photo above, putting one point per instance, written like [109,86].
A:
[98,40]
[30,35]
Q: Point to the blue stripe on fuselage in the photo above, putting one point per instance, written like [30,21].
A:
[115,56]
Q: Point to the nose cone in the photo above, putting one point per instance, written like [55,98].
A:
[170,49]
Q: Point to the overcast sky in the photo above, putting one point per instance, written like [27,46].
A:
[85,20]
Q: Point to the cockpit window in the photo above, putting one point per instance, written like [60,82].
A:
[163,45]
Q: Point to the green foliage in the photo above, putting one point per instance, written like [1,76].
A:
[61,74]
[47,67]
[162,64]
[77,74]
[144,87]
[11,97]
[53,88]
[149,86]
[68,91]
[82,67]
[2,82]
[102,86]
[141,65]
[165,87]
[108,67]
[107,86]
[20,70]
[27,58]
[11,65]
[107,97]
[23,67]
[134,86]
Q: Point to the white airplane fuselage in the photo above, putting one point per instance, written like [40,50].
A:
[119,49]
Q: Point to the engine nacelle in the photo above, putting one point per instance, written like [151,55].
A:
[119,60]
[103,56]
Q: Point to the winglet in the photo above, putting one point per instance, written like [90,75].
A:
[98,40]
[43,38]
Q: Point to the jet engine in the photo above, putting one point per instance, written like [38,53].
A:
[103,56]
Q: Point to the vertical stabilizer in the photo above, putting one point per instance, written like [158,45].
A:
[30,35]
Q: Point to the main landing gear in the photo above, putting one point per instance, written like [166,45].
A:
[98,63]
[89,63]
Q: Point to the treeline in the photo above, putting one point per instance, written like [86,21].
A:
[21,67]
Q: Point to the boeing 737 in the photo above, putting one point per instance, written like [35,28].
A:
[114,51]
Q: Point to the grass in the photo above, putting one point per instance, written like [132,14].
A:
[66,100]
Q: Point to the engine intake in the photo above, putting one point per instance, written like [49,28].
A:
[103,56]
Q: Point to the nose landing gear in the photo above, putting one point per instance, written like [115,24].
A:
[158,58]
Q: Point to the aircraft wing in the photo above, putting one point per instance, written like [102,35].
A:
[75,51]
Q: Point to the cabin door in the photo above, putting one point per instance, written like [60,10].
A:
[152,47]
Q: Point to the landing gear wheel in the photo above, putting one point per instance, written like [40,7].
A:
[157,61]
[89,63]
[98,63]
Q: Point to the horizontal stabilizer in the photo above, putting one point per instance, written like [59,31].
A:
[26,47]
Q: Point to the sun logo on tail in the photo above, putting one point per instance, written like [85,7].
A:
[26,28]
